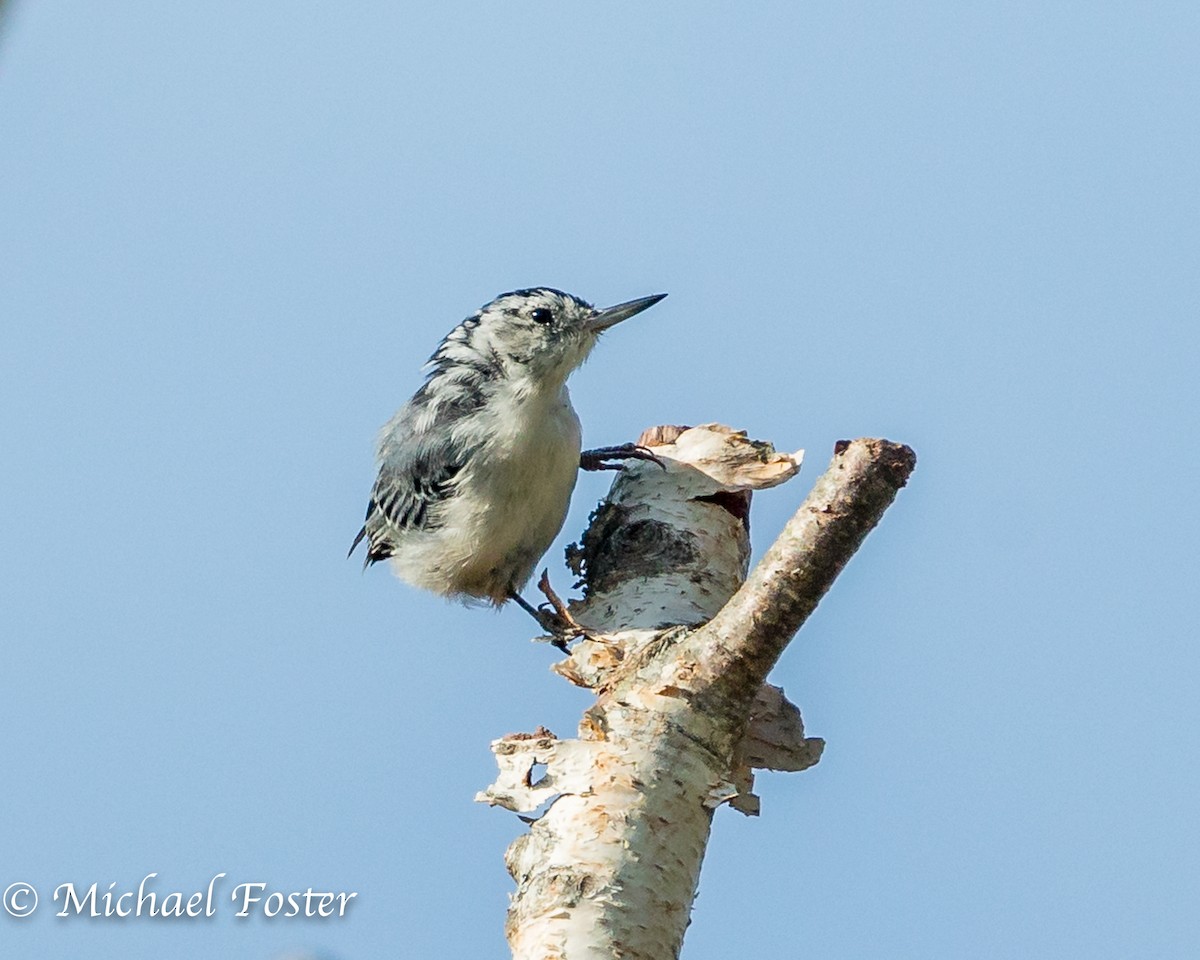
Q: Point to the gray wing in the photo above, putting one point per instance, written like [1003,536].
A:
[405,497]
[417,471]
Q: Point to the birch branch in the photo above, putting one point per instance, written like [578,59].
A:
[681,645]
[742,643]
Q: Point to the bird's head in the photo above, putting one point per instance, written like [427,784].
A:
[539,334]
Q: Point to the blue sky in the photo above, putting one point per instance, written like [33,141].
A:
[231,233]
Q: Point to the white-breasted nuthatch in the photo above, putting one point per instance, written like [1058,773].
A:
[476,470]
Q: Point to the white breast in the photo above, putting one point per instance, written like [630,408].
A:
[510,503]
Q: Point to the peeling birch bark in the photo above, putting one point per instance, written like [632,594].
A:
[680,649]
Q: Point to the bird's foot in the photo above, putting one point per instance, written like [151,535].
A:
[598,459]
[553,616]
[558,608]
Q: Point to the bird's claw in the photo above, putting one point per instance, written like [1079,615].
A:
[597,459]
[553,615]
[555,618]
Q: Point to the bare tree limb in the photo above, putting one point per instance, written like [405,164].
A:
[678,652]
[741,644]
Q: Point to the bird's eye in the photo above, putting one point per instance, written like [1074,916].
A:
[541,315]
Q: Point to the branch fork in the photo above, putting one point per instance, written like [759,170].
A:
[678,645]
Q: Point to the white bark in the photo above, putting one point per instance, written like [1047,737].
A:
[682,715]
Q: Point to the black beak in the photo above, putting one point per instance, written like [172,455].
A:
[611,316]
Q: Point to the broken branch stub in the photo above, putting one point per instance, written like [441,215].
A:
[611,867]
[670,544]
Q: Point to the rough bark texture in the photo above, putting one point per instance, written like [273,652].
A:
[679,653]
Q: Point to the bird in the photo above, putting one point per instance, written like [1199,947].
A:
[476,470]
